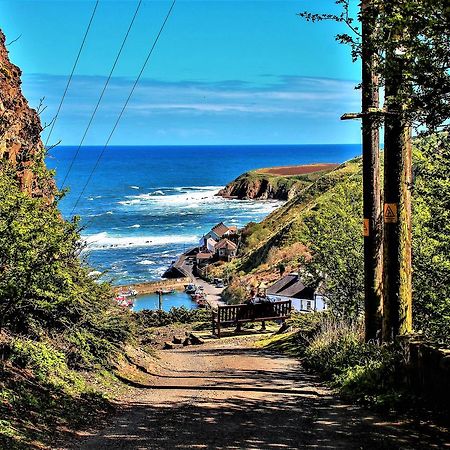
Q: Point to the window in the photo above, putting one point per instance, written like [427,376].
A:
[308,305]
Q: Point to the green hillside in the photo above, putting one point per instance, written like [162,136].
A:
[319,233]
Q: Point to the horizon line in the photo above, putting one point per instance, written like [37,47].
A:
[202,145]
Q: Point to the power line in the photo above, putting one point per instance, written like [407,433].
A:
[101,95]
[125,105]
[71,74]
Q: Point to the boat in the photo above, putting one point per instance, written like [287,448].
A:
[124,301]
[128,293]
[165,291]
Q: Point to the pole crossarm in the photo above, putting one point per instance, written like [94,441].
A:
[369,112]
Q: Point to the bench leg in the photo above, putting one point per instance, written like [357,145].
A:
[213,328]
[263,325]
[238,327]
[218,330]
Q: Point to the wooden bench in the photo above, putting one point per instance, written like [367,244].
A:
[242,313]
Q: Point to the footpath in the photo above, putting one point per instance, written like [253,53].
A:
[228,394]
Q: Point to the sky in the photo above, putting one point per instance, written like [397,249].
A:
[222,72]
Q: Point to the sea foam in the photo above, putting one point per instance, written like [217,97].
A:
[104,241]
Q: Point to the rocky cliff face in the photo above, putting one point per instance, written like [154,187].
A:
[20,127]
[251,186]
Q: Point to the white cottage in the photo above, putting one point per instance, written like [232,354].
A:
[304,298]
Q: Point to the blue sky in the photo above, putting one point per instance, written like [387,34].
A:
[224,72]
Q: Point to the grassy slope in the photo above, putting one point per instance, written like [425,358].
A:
[278,183]
[282,228]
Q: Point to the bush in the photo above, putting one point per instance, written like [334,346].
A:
[40,357]
[336,350]
[363,371]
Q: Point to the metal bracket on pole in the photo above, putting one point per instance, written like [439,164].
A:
[369,112]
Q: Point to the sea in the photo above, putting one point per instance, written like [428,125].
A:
[140,207]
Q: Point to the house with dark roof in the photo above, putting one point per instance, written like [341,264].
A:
[304,298]
[225,249]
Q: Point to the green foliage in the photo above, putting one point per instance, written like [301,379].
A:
[363,371]
[431,243]
[235,293]
[336,350]
[326,218]
[44,289]
[333,235]
[410,36]
[159,318]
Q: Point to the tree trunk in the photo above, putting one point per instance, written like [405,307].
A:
[397,312]
[373,226]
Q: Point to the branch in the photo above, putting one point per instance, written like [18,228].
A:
[53,146]
[14,40]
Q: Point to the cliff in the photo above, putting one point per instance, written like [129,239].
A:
[278,183]
[20,143]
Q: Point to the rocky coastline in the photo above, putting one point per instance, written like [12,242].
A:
[278,183]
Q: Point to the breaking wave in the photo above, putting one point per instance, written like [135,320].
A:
[104,241]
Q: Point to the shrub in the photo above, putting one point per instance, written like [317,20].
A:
[364,371]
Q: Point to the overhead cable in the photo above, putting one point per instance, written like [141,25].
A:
[94,112]
[73,71]
[149,54]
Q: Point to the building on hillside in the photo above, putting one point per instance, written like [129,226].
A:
[203,258]
[225,249]
[207,244]
[217,232]
[231,231]
[209,235]
[304,298]
[220,229]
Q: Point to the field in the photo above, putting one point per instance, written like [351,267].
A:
[297,170]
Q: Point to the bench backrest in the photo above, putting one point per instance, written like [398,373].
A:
[243,312]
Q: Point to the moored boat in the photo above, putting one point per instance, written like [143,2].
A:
[165,291]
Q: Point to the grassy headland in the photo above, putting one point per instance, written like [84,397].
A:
[277,183]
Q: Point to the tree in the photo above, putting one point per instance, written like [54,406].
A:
[333,236]
[412,53]
[45,290]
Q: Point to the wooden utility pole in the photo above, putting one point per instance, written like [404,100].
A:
[397,307]
[373,225]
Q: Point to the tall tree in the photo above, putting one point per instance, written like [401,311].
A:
[411,46]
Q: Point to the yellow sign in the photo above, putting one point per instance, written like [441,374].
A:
[366,228]
[390,213]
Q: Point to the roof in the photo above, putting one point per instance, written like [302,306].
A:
[231,230]
[226,243]
[211,241]
[291,286]
[204,255]
[220,229]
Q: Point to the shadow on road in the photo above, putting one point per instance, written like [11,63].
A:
[251,408]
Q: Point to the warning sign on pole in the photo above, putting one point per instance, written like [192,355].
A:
[366,227]
[390,213]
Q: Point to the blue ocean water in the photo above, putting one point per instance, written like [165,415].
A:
[145,205]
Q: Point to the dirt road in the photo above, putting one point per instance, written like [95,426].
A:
[229,395]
